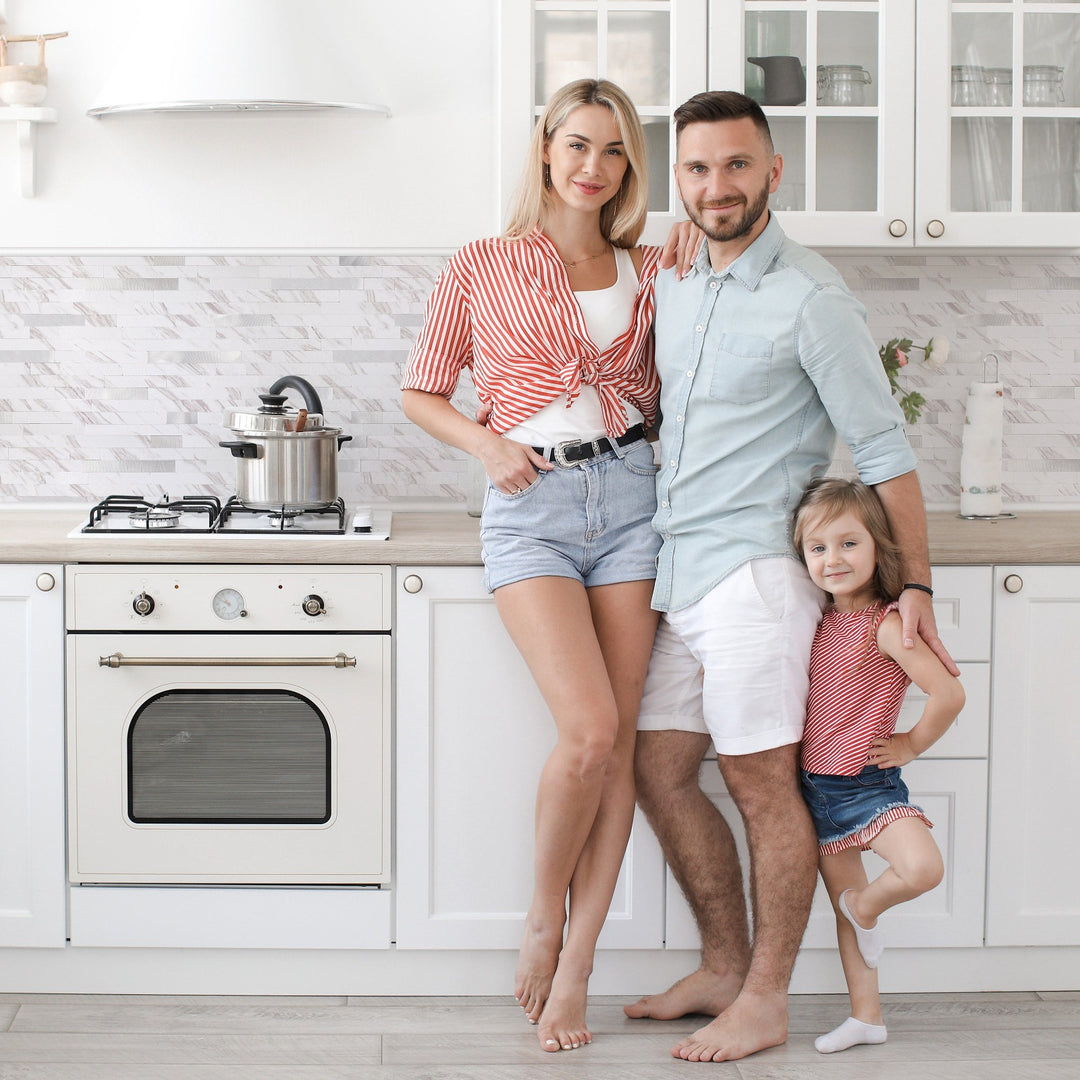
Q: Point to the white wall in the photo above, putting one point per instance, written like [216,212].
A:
[423,179]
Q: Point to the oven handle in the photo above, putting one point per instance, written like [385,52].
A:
[115,660]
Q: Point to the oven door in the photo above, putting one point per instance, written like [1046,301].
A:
[245,759]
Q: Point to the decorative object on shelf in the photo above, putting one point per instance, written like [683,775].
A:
[894,355]
[980,452]
[25,84]
[785,79]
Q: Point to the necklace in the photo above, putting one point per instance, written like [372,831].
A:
[585,259]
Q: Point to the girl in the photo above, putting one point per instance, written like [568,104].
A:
[553,320]
[851,758]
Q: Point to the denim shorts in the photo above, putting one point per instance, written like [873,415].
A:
[844,806]
[591,521]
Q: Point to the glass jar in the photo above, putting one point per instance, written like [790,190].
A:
[968,84]
[1044,85]
[999,86]
[842,84]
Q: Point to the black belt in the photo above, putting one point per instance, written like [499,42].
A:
[574,450]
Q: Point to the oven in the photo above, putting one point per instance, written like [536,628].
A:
[228,724]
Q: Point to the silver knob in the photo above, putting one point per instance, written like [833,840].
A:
[413,583]
[897,227]
[46,582]
[143,604]
[935,228]
[1013,583]
[313,605]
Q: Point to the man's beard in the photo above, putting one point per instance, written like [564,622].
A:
[736,227]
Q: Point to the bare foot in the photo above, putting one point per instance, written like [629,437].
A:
[752,1023]
[536,967]
[702,991]
[562,1025]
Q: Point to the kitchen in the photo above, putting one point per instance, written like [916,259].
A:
[169,268]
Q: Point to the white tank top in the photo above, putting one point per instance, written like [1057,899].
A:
[607,313]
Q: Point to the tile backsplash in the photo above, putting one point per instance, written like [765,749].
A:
[116,372]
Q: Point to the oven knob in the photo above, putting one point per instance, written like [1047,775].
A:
[143,604]
[313,605]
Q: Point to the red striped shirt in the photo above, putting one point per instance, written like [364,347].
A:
[505,310]
[855,692]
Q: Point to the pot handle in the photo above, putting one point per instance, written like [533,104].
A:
[242,449]
[342,439]
[310,395]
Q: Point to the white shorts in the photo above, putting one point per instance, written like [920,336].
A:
[735,664]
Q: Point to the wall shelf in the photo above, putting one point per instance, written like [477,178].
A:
[25,118]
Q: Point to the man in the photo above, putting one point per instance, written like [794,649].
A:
[764,355]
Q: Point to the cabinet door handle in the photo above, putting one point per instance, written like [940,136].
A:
[935,228]
[897,227]
[1013,583]
[45,582]
[413,583]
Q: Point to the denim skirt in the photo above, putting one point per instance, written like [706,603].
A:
[850,811]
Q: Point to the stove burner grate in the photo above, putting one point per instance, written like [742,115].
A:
[282,519]
[164,515]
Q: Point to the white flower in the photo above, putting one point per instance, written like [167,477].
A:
[937,352]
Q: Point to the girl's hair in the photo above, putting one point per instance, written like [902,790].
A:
[623,217]
[826,498]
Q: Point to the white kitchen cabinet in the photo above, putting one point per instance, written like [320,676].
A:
[1033,885]
[32,885]
[472,735]
[928,123]
[947,123]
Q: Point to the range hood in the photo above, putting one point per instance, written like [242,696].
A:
[232,55]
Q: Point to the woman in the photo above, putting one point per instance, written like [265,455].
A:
[553,319]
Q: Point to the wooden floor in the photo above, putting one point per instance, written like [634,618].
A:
[1019,1036]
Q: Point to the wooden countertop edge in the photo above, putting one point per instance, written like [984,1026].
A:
[452,539]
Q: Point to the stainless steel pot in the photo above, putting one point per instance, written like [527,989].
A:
[286,459]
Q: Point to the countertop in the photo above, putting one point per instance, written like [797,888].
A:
[452,539]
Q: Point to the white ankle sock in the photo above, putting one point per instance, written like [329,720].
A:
[851,1032]
[871,943]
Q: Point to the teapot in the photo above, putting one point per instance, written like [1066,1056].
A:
[785,79]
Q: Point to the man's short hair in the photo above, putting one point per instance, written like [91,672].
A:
[712,105]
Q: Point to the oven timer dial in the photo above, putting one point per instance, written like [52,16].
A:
[228,604]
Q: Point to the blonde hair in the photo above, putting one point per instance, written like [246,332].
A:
[826,498]
[623,217]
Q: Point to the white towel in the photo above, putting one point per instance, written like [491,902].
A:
[980,453]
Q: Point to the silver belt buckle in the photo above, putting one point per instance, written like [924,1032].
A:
[560,453]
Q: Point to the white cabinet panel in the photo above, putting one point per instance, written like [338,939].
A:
[962,609]
[32,886]
[953,794]
[1034,877]
[472,735]
[969,734]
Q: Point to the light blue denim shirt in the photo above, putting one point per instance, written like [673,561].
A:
[761,366]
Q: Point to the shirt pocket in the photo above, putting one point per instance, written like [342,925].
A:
[741,369]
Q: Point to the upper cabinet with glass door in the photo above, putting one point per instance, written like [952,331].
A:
[835,78]
[653,49]
[999,123]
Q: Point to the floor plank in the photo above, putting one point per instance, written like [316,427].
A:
[127,1037]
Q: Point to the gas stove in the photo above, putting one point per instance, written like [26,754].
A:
[133,515]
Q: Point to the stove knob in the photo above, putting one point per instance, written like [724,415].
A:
[313,605]
[143,604]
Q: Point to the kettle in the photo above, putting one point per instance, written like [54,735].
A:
[785,79]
